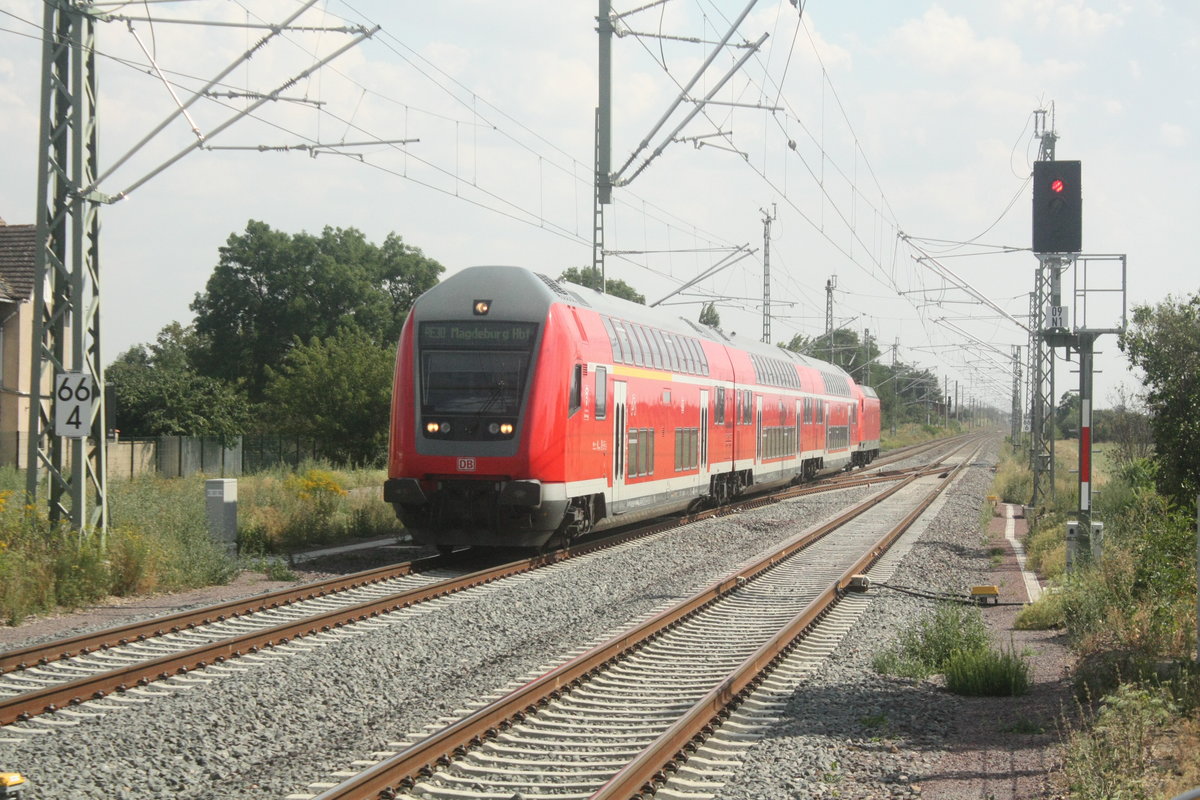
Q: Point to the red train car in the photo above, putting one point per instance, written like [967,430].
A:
[524,408]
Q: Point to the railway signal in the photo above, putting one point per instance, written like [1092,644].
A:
[1057,207]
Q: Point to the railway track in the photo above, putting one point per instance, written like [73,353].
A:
[619,720]
[62,675]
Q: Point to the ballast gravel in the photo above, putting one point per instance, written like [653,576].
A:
[271,726]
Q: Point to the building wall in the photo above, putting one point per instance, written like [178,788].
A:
[16,326]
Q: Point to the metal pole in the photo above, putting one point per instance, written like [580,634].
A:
[603,188]
[66,284]
[766,329]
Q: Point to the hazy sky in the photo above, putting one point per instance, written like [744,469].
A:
[854,122]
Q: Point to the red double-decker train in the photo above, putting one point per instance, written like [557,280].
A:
[526,408]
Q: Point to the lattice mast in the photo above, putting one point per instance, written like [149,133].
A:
[66,327]
[1041,355]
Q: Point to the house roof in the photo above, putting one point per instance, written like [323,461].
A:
[18,249]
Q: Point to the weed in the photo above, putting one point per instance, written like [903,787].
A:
[1043,614]
[1026,727]
[986,672]
[1113,754]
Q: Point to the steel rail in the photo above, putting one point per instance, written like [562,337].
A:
[649,769]
[83,644]
[401,771]
[49,699]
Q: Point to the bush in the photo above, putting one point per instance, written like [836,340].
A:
[1113,755]
[926,648]
[987,673]
[283,512]
[1043,614]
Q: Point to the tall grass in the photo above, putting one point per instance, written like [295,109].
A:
[1112,755]
[954,641]
[284,511]
[1131,623]
[158,537]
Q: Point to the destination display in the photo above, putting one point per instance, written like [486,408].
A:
[504,335]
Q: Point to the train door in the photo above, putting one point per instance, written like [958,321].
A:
[618,441]
[758,428]
[704,431]
[798,447]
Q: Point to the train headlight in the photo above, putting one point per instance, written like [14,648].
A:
[506,428]
[432,427]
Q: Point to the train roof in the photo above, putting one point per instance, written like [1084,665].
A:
[636,312]
[528,295]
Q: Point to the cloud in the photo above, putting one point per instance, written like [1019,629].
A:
[1173,135]
[943,43]
[1072,18]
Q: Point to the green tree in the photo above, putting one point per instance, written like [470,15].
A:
[337,392]
[1066,415]
[1127,426]
[710,317]
[1163,341]
[157,391]
[590,277]
[271,289]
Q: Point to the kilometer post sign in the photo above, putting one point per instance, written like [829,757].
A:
[74,397]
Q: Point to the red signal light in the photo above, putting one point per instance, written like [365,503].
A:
[1057,186]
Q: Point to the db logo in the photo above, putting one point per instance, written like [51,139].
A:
[466,465]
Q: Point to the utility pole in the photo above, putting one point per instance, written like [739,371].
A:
[946,401]
[67,434]
[1041,448]
[867,353]
[67,282]
[767,220]
[603,181]
[895,384]
[1015,427]
[830,285]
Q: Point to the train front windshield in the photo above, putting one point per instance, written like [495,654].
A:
[474,367]
[472,383]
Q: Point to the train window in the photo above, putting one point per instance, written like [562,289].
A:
[601,392]
[573,401]
[621,345]
[612,340]
[660,349]
[472,382]
[693,361]
[647,346]
[669,352]
[737,407]
[681,350]
[719,406]
[747,406]
[636,345]
[680,358]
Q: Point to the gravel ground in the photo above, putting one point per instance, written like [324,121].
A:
[852,733]
[273,728]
